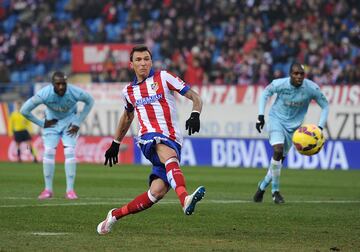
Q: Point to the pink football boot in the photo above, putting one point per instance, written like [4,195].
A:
[71,195]
[46,194]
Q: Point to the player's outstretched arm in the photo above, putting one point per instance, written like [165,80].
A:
[111,155]
[193,123]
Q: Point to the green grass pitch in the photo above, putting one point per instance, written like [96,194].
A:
[321,213]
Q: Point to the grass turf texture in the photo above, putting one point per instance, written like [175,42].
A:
[321,212]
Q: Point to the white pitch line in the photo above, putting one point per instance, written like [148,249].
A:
[122,201]
[82,198]
[172,201]
[49,233]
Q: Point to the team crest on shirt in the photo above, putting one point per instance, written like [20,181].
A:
[155,86]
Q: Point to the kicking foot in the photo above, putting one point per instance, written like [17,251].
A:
[191,200]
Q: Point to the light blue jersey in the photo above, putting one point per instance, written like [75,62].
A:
[62,108]
[285,116]
[58,107]
[292,103]
[289,109]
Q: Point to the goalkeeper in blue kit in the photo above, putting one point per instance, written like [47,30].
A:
[61,121]
[294,95]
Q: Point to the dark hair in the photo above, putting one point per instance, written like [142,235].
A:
[139,48]
[58,74]
[297,64]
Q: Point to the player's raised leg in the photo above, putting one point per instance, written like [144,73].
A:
[177,182]
[176,178]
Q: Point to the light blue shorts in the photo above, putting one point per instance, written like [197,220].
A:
[278,134]
[51,136]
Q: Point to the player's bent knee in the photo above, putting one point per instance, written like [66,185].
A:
[69,152]
[278,152]
[155,196]
[158,188]
[49,151]
[49,155]
[278,156]
[157,193]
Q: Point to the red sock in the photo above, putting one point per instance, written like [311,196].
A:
[138,204]
[176,178]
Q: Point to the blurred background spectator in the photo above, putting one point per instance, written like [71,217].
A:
[206,42]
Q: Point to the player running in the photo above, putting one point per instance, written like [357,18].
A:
[294,95]
[160,138]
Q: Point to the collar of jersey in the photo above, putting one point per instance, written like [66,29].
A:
[297,88]
[135,81]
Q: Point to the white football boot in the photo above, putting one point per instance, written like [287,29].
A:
[191,200]
[104,227]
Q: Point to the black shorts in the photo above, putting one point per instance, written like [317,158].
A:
[22,136]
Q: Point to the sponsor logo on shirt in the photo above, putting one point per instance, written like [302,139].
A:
[60,108]
[149,99]
[294,103]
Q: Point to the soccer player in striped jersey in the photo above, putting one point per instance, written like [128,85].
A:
[294,95]
[61,121]
[151,97]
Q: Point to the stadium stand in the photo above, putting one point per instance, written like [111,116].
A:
[217,42]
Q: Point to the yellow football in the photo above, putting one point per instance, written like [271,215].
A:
[308,139]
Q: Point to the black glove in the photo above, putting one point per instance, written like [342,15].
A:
[320,127]
[193,123]
[260,123]
[111,155]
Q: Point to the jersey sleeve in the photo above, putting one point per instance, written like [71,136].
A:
[174,83]
[86,98]
[267,93]
[29,105]
[127,104]
[320,99]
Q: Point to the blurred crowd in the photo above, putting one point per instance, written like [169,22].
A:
[204,41]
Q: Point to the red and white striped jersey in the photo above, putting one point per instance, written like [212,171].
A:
[154,103]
